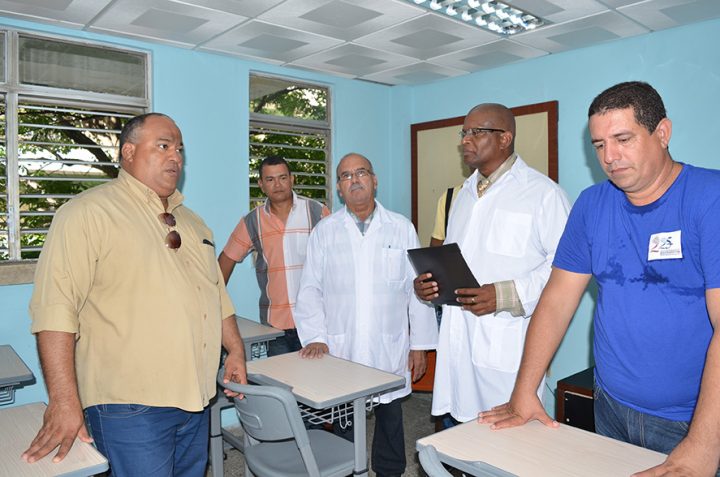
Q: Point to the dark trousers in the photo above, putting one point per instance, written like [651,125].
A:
[388,446]
[285,344]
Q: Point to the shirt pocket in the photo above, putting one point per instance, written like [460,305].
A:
[509,233]
[394,357]
[498,344]
[209,261]
[393,264]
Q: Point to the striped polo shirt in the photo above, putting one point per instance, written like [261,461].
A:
[279,254]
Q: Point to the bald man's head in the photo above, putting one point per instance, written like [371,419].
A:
[505,119]
[488,137]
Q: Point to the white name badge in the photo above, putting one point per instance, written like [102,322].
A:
[665,246]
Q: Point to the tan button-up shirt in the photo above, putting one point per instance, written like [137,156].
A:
[148,319]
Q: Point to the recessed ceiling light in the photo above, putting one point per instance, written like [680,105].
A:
[491,15]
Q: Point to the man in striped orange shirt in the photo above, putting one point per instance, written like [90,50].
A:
[277,231]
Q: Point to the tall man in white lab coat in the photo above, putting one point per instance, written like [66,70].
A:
[356,300]
[507,220]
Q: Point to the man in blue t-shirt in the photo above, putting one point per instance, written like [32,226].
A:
[649,238]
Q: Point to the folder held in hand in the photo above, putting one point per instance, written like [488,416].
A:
[449,270]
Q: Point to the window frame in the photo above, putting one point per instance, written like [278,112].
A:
[16,270]
[293,125]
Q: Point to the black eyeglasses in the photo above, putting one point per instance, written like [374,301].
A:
[475,131]
[172,239]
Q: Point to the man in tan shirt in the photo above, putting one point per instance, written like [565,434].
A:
[129,309]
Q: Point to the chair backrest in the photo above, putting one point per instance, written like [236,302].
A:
[271,413]
[268,413]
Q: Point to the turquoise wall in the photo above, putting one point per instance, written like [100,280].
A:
[208,96]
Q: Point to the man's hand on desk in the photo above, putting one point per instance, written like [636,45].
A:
[516,413]
[688,459]
[425,289]
[235,371]
[61,424]
[314,350]
[417,363]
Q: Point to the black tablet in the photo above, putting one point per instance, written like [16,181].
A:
[449,270]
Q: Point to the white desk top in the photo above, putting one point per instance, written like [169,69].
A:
[322,383]
[18,426]
[536,450]
[254,332]
[12,368]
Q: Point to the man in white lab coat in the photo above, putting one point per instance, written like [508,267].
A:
[507,220]
[356,300]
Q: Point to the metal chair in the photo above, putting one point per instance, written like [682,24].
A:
[276,441]
[431,464]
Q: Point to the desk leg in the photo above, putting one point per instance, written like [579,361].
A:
[216,438]
[360,433]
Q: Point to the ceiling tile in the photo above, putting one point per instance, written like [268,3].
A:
[580,33]
[428,36]
[69,13]
[661,14]
[340,14]
[165,20]
[487,56]
[342,19]
[263,41]
[414,74]
[353,60]
[246,8]
[622,3]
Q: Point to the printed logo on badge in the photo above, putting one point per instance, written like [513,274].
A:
[665,246]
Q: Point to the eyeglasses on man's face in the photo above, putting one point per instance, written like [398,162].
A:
[172,240]
[472,132]
[359,173]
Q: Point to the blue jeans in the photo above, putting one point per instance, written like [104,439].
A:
[615,420]
[285,344]
[448,421]
[153,441]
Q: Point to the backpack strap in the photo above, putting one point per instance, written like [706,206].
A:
[448,202]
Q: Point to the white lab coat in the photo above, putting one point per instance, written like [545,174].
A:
[356,294]
[510,233]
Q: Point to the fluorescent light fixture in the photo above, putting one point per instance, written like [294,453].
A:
[492,15]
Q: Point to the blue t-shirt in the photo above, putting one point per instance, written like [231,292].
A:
[652,264]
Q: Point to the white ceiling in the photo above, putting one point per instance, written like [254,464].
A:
[386,41]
